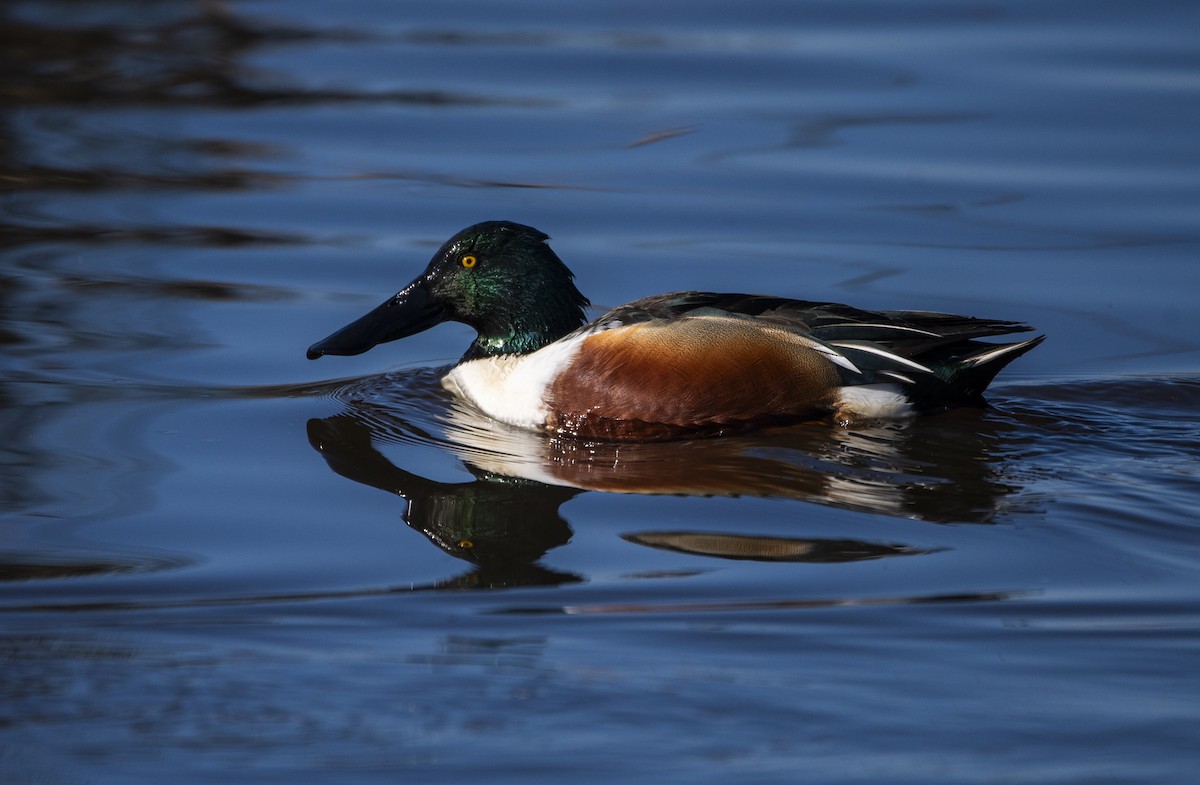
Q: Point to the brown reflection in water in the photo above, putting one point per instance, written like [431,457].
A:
[774,549]
[509,515]
[175,54]
[65,69]
[116,55]
[949,468]
[113,55]
[61,64]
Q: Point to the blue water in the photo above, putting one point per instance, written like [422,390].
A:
[221,561]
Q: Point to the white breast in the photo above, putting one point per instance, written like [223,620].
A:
[512,388]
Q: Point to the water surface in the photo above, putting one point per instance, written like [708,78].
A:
[219,560]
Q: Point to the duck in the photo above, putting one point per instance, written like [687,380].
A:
[677,365]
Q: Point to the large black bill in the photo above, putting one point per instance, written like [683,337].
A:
[407,313]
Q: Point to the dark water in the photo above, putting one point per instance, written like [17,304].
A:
[221,562]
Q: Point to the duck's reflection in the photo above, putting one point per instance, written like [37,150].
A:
[503,520]
[502,525]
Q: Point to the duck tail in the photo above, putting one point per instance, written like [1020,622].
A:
[971,375]
[944,378]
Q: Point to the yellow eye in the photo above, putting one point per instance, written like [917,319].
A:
[468,262]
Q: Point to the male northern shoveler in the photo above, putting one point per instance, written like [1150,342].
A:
[674,364]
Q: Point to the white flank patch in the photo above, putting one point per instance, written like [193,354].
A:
[512,388]
[874,402]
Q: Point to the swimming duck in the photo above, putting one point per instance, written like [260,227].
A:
[674,364]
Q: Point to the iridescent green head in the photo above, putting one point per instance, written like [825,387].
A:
[498,277]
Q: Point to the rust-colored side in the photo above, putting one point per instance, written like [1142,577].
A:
[702,373]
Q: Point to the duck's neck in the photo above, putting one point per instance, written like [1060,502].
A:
[524,333]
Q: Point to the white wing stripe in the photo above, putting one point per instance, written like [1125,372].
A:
[882,353]
[897,376]
[837,358]
[881,327]
[992,354]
